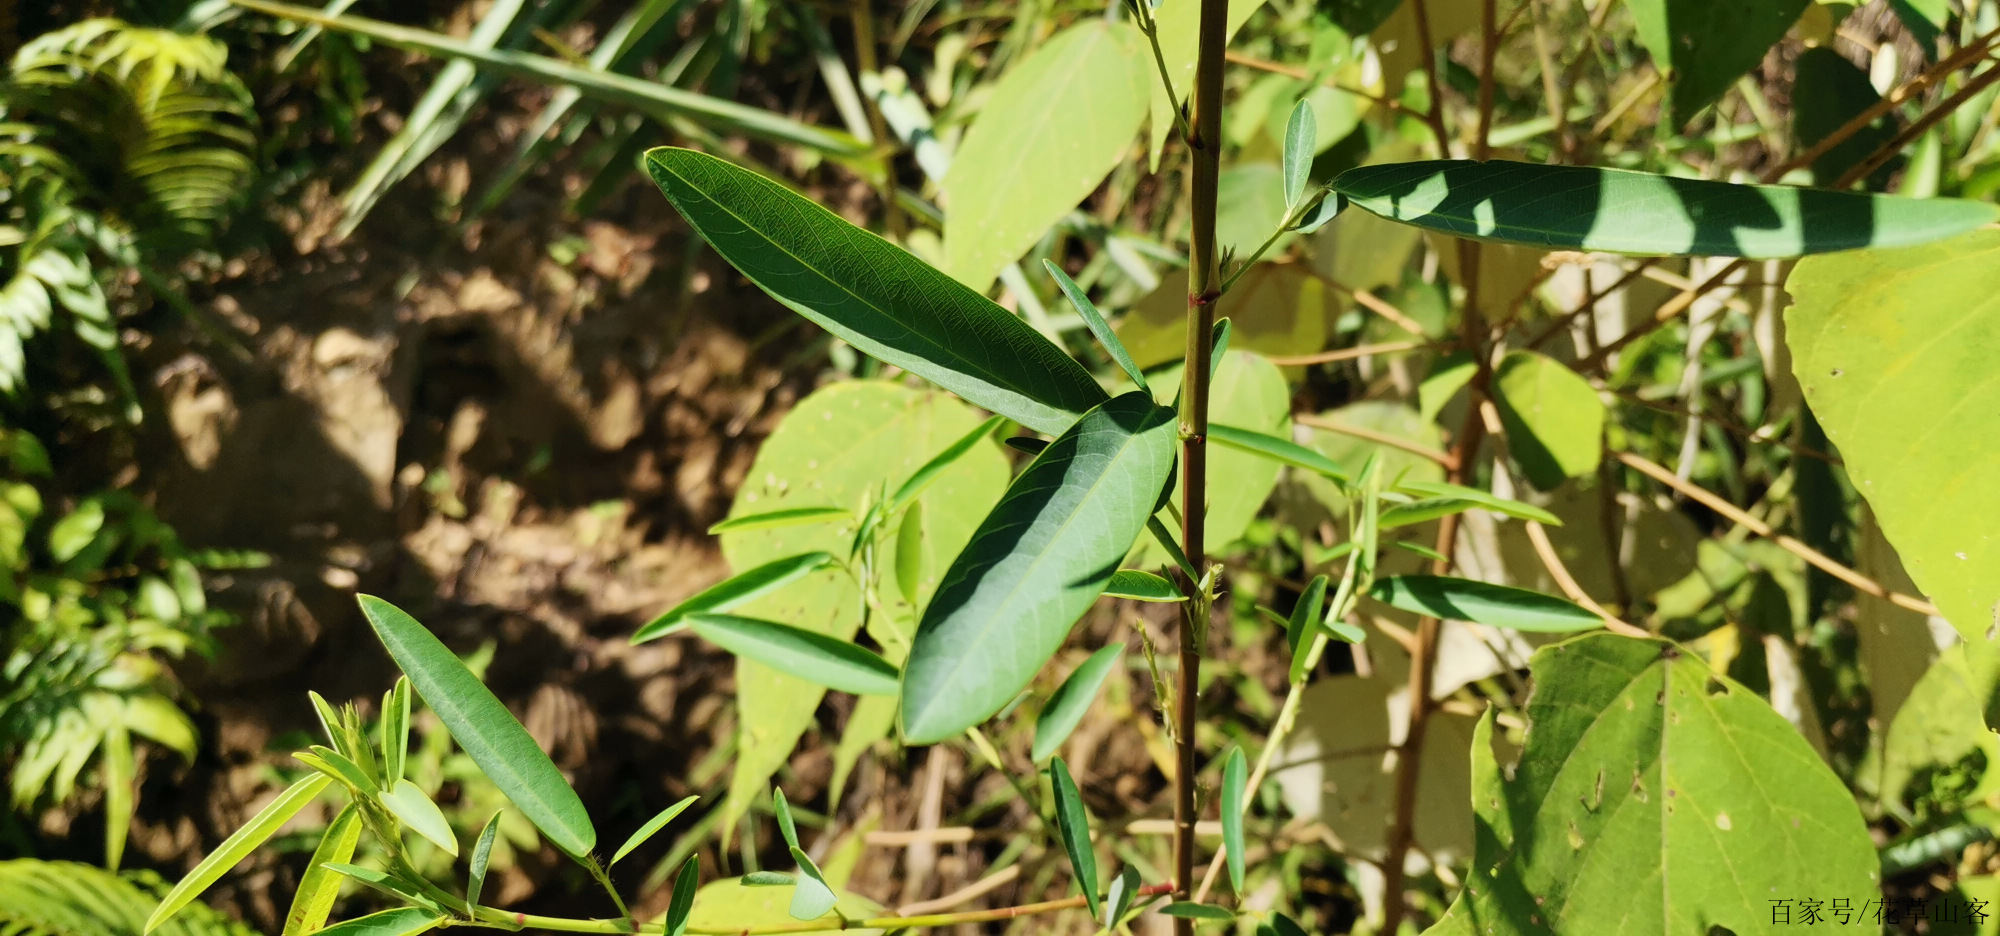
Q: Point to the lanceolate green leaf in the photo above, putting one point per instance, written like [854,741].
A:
[686,883]
[1555,423]
[1299,133]
[1142,586]
[1484,499]
[1460,599]
[1300,627]
[394,885]
[1284,451]
[1189,910]
[1056,123]
[805,654]
[922,478]
[238,846]
[1616,211]
[735,591]
[319,886]
[1073,827]
[1235,773]
[1036,564]
[797,516]
[875,295]
[395,730]
[482,857]
[1071,700]
[1894,350]
[652,826]
[402,921]
[1702,47]
[484,728]
[1099,328]
[409,804]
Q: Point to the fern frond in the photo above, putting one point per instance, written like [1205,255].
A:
[60,898]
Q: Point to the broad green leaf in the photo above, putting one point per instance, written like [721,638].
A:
[1357,17]
[1479,498]
[836,448]
[1617,211]
[922,477]
[76,530]
[1942,723]
[1066,707]
[1327,206]
[1052,128]
[1377,417]
[409,804]
[735,591]
[1283,451]
[395,730]
[1235,773]
[1274,309]
[1702,47]
[482,858]
[1099,328]
[1654,798]
[484,728]
[1250,204]
[1189,910]
[1554,420]
[1073,828]
[1123,888]
[775,519]
[1893,351]
[875,295]
[1828,92]
[803,654]
[1299,627]
[1301,132]
[1038,561]
[1448,376]
[726,906]
[871,721]
[319,886]
[1179,26]
[1142,586]
[811,897]
[402,921]
[686,885]
[1457,599]
[238,846]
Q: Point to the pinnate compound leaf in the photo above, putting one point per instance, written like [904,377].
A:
[319,886]
[1654,798]
[1624,212]
[875,295]
[238,846]
[482,858]
[1554,420]
[1458,599]
[484,728]
[407,802]
[1055,125]
[1893,349]
[1037,563]
[1235,773]
[800,653]
[1071,700]
[735,591]
[1073,828]
[402,921]
[1703,47]
[652,827]
[777,519]
[1142,586]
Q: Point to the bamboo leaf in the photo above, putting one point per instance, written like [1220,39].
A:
[734,592]
[1039,560]
[1073,827]
[484,728]
[875,295]
[804,654]
[1099,328]
[238,846]
[319,886]
[1460,599]
[1617,211]
[482,858]
[407,802]
[778,519]
[1234,774]
[924,476]
[1066,707]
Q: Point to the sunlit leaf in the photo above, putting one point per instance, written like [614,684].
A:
[1554,420]
[1299,627]
[1477,497]
[482,858]
[812,898]
[734,592]
[1189,910]
[313,900]
[1066,707]
[776,519]
[922,477]
[1142,586]
[1301,131]
[238,846]
[1458,599]
[686,883]
[803,654]
[1703,47]
[1099,328]
[1283,451]
[1123,888]
[409,804]
[402,921]
[395,730]
[1235,773]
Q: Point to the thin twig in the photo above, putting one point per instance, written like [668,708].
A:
[1380,438]
[1348,354]
[963,895]
[1292,71]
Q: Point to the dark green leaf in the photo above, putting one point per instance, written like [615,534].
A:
[952,453]
[1098,326]
[1358,17]
[319,886]
[735,591]
[1300,133]
[1827,92]
[482,858]
[402,921]
[1299,627]
[484,728]
[1328,207]
[682,903]
[1925,19]
[1190,910]
[651,827]
[1501,505]
[1460,599]
[1615,211]
[1235,773]
[1031,446]
[1142,586]
[1036,564]
[875,295]
[796,516]
[1279,450]
[1071,700]
[1073,827]
[1165,538]
[805,654]
[1702,47]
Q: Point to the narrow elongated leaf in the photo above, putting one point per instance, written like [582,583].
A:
[319,886]
[782,808]
[395,730]
[1142,586]
[1299,627]
[1703,47]
[795,651]
[1179,31]
[1123,889]
[387,883]
[875,295]
[482,858]
[329,720]
[1066,707]
[813,897]
[402,921]
[238,846]
[350,773]
[1554,420]
[1300,133]
[1616,211]
[316,762]
[686,883]
[768,879]
[1483,499]
[409,804]
[1099,328]
[484,728]
[1038,561]
[735,591]
[1460,599]
[1421,511]
[778,519]
[1073,827]
[910,554]
[1189,910]
[1235,773]
[945,459]
[1284,451]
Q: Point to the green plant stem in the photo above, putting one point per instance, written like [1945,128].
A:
[501,919]
[1151,28]
[597,871]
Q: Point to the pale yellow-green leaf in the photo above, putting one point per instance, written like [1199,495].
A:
[727,906]
[1179,34]
[1274,309]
